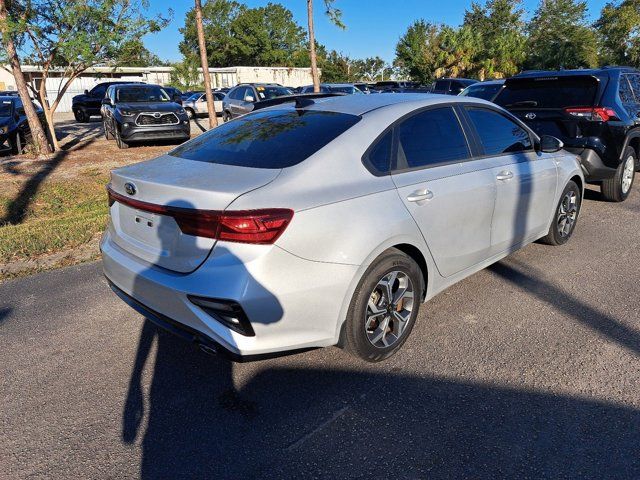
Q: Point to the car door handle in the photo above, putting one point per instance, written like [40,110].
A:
[505,175]
[420,195]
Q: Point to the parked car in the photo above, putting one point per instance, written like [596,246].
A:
[325,222]
[451,86]
[15,133]
[240,99]
[487,90]
[88,104]
[189,94]
[137,113]
[387,84]
[9,93]
[407,90]
[196,105]
[596,114]
[347,88]
[363,87]
[174,94]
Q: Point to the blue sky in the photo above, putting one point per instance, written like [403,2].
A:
[373,26]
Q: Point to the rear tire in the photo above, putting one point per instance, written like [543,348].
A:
[565,217]
[617,188]
[374,328]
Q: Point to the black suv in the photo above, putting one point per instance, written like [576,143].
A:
[451,86]
[596,113]
[88,104]
[135,113]
[15,133]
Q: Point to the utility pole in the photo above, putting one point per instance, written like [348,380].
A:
[312,48]
[37,132]
[204,61]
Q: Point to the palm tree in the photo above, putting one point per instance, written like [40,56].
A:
[335,16]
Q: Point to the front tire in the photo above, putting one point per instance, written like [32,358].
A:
[384,307]
[107,133]
[121,143]
[617,188]
[190,113]
[226,116]
[566,216]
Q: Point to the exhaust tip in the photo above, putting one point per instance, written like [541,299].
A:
[208,349]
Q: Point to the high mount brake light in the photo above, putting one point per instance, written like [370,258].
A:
[594,114]
[245,226]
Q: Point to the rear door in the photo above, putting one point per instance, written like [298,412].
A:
[450,196]
[542,103]
[525,180]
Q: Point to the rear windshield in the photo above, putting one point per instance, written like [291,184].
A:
[267,93]
[549,92]
[269,139]
[477,90]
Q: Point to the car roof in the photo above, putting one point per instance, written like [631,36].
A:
[361,104]
[8,97]
[488,82]
[576,71]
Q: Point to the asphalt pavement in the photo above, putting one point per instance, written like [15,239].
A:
[528,369]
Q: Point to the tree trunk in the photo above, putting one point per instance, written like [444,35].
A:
[204,61]
[48,113]
[312,48]
[37,132]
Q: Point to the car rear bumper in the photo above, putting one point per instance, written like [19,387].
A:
[291,303]
[593,167]
[136,133]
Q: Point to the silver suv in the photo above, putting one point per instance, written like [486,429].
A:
[241,98]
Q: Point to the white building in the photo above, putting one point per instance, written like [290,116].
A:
[220,77]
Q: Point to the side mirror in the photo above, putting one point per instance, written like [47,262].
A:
[549,144]
[249,98]
[86,92]
[106,101]
[177,99]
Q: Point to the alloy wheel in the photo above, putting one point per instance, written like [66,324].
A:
[627,174]
[389,309]
[567,213]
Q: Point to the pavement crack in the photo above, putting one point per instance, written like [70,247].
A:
[318,429]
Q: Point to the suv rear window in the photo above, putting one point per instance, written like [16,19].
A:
[548,92]
[269,139]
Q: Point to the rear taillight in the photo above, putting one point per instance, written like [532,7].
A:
[593,114]
[245,226]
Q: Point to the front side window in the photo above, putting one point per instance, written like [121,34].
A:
[498,134]
[267,93]
[6,107]
[267,139]
[441,85]
[430,138]
[98,91]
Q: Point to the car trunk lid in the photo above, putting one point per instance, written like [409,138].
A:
[142,192]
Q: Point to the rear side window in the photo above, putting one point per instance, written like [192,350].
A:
[634,80]
[625,92]
[441,85]
[268,139]
[498,134]
[380,155]
[430,138]
[549,92]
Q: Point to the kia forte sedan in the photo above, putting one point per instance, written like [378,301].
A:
[330,221]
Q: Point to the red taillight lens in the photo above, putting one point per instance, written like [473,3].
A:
[594,114]
[246,226]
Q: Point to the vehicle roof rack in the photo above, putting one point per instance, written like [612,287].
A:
[302,100]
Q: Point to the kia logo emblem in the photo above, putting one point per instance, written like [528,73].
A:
[130,188]
[530,116]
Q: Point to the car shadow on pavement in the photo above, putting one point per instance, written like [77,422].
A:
[327,423]
[4,314]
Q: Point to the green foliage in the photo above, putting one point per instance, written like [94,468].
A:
[134,54]
[619,29]
[418,52]
[238,35]
[186,76]
[497,46]
[559,36]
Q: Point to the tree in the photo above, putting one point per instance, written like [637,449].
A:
[134,54]
[73,35]
[335,66]
[8,29]
[370,69]
[211,109]
[335,16]
[497,30]
[619,29]
[185,75]
[559,36]
[418,52]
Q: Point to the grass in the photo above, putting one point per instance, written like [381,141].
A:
[62,215]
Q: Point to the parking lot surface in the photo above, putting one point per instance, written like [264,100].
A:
[528,369]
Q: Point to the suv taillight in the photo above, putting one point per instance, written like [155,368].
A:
[594,114]
[246,226]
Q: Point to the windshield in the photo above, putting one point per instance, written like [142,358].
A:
[5,108]
[194,97]
[485,92]
[142,94]
[267,93]
[267,139]
[345,89]
[549,92]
